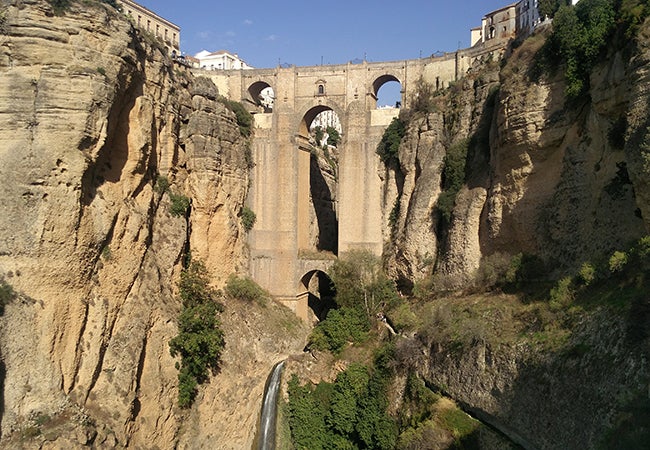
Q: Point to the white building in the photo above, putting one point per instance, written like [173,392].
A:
[528,16]
[221,60]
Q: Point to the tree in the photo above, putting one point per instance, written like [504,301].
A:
[548,8]
[388,147]
[200,340]
[333,136]
[361,283]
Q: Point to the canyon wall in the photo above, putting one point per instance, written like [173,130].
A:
[567,184]
[102,134]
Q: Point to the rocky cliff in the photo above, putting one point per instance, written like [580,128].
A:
[102,134]
[564,183]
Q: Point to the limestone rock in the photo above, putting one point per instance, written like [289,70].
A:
[98,119]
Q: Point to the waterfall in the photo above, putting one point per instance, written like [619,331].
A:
[269,409]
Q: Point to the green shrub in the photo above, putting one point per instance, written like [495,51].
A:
[580,34]
[617,261]
[200,340]
[587,273]
[347,414]
[340,327]
[319,133]
[643,248]
[7,294]
[550,7]
[402,317]
[388,147]
[453,177]
[423,100]
[244,289]
[247,218]
[499,269]
[333,137]
[562,294]
[179,204]
[60,6]
[101,71]
[394,214]
[162,184]
[362,284]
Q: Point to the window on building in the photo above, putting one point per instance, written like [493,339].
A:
[321,89]
[139,19]
[157,30]
[148,25]
[166,37]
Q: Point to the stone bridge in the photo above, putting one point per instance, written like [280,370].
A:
[283,255]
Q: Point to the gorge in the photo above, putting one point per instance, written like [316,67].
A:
[119,165]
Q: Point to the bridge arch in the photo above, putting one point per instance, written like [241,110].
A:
[309,113]
[317,217]
[258,94]
[382,80]
[320,292]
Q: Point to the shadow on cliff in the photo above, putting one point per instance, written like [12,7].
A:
[3,374]
[114,154]
[323,205]
[589,393]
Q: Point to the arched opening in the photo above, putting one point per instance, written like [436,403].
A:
[321,293]
[261,94]
[321,134]
[387,90]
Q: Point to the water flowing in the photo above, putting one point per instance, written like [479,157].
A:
[269,409]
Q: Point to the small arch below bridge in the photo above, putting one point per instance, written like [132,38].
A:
[319,291]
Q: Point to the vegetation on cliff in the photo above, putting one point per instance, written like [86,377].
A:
[349,413]
[363,291]
[583,33]
[200,340]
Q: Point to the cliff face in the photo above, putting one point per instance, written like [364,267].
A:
[97,117]
[566,184]
[547,399]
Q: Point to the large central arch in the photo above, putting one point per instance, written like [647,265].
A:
[317,223]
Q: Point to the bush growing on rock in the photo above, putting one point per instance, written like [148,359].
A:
[244,289]
[244,118]
[388,147]
[200,340]
[362,284]
[617,261]
[179,204]
[248,218]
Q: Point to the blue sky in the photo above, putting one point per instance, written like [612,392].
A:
[335,32]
